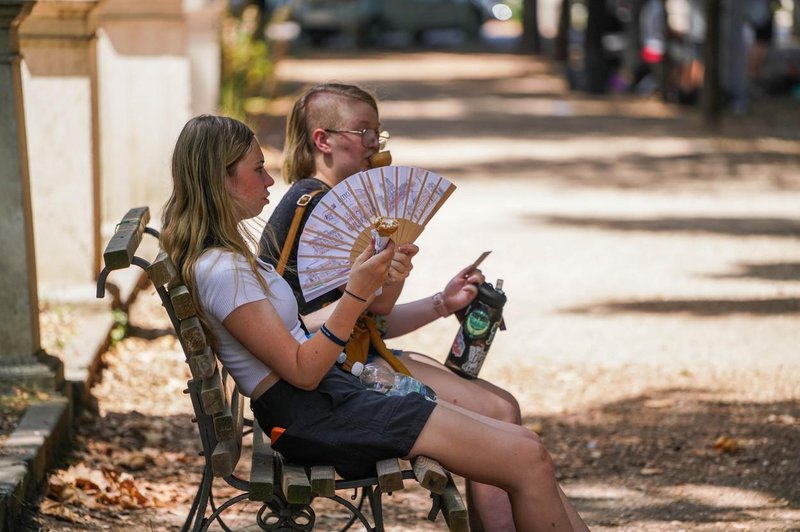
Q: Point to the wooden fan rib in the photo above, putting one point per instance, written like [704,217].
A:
[417,196]
[358,218]
[331,268]
[385,193]
[428,200]
[439,202]
[369,209]
[327,223]
[321,235]
[345,255]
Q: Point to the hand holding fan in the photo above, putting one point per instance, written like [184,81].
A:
[342,223]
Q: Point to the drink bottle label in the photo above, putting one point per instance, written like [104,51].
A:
[477,323]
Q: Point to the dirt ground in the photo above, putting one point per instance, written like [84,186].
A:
[653,275]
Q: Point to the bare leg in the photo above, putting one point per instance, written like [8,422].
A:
[509,459]
[489,507]
[484,500]
[475,395]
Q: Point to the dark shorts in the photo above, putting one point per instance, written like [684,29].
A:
[341,423]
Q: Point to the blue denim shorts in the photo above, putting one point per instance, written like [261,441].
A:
[341,423]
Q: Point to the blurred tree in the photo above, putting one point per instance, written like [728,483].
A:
[711,95]
[594,53]
[632,57]
[246,65]
[264,9]
[562,33]
[531,38]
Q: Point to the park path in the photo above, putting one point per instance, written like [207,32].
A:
[653,275]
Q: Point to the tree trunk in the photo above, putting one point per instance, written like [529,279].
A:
[711,100]
[596,67]
[562,40]
[633,48]
[531,38]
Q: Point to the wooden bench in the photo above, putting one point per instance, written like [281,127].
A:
[286,491]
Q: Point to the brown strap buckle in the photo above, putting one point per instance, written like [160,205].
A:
[303,200]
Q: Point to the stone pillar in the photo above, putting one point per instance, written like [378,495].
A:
[145,99]
[204,20]
[59,79]
[20,352]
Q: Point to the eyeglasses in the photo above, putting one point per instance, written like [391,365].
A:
[368,136]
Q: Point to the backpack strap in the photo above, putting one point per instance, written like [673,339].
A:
[288,244]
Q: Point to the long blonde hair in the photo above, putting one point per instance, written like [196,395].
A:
[201,213]
[318,106]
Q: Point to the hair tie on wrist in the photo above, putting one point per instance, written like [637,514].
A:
[332,337]
[351,294]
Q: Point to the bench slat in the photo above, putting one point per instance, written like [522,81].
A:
[294,483]
[323,481]
[202,365]
[262,470]
[162,270]
[212,395]
[430,474]
[453,509]
[192,336]
[224,425]
[122,246]
[182,302]
[224,458]
[390,475]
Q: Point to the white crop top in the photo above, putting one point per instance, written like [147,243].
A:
[225,282]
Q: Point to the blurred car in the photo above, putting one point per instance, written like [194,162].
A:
[368,20]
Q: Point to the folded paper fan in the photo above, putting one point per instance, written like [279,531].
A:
[341,224]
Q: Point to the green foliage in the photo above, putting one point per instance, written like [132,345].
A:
[516,9]
[246,64]
[120,328]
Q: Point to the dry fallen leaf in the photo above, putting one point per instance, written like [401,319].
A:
[59,511]
[726,444]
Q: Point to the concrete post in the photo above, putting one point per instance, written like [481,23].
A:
[59,79]
[204,20]
[20,352]
[145,99]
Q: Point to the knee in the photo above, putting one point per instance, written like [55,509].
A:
[505,408]
[537,459]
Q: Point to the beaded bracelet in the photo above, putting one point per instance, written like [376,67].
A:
[332,337]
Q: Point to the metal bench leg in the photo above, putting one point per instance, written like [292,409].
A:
[200,502]
[374,495]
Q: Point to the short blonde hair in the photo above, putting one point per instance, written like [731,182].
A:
[319,106]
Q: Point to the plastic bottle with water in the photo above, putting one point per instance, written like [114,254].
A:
[386,381]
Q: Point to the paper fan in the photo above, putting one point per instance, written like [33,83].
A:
[340,226]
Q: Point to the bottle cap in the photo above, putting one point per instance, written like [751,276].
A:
[357,368]
[341,358]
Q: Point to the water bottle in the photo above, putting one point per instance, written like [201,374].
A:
[474,338]
[406,384]
[383,380]
[377,378]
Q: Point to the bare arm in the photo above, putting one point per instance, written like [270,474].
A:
[260,330]
[458,293]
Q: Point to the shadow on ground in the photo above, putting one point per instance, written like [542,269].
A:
[677,454]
